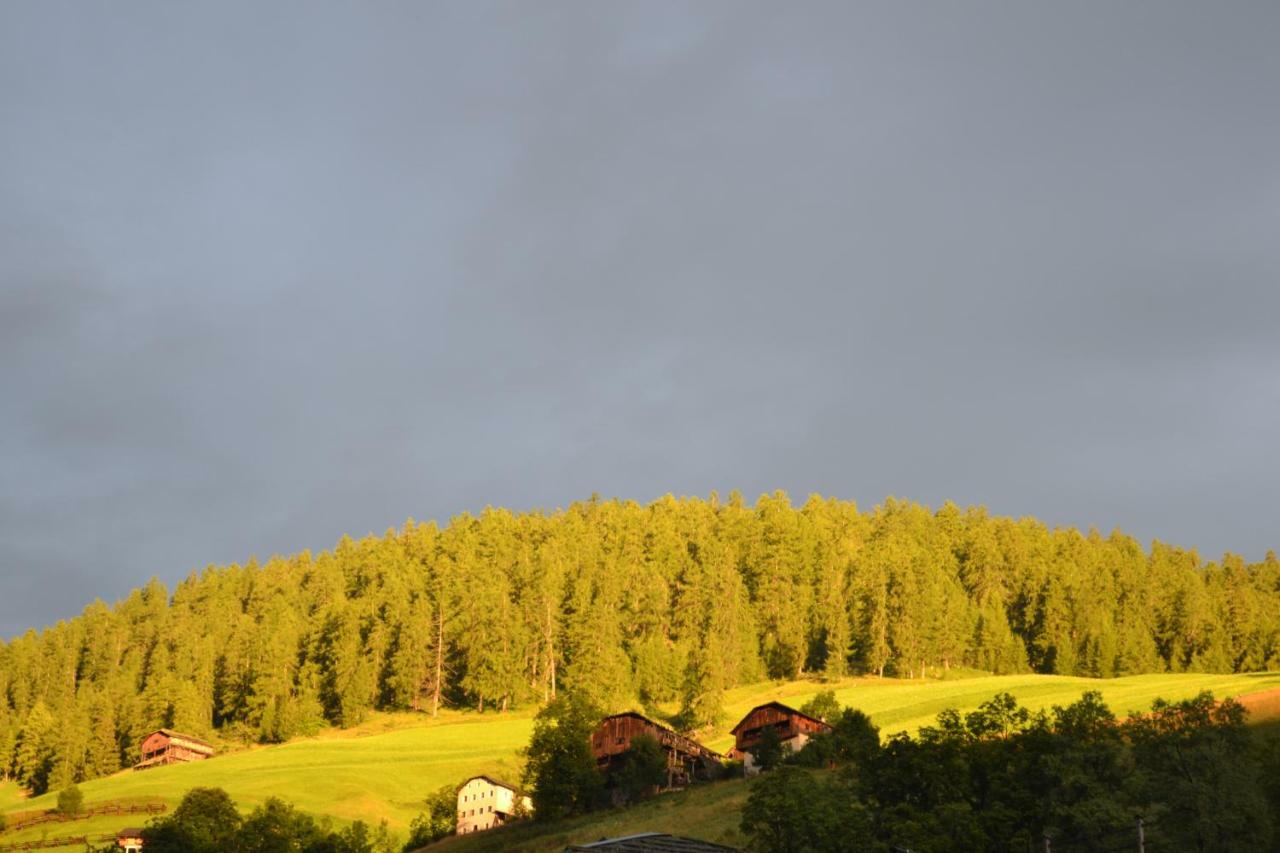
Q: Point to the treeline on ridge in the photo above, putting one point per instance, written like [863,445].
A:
[625,603]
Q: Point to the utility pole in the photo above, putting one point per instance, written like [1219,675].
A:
[1142,837]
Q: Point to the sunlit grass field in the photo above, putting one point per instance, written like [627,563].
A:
[899,705]
[364,774]
[385,768]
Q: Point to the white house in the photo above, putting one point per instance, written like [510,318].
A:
[485,802]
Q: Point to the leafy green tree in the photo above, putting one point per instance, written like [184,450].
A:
[206,821]
[560,768]
[1199,762]
[854,740]
[437,820]
[641,770]
[999,717]
[1093,790]
[277,827]
[822,706]
[793,811]
[359,838]
[1267,738]
[768,752]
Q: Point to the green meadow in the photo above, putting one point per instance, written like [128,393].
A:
[384,768]
[897,705]
[380,770]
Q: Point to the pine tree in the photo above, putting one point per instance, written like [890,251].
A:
[35,756]
[103,756]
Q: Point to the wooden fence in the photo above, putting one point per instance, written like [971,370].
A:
[108,809]
[65,841]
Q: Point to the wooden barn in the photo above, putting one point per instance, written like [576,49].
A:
[164,746]
[794,729]
[485,802]
[687,759]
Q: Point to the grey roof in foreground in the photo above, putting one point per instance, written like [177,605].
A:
[651,842]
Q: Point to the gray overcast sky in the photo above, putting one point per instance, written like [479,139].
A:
[271,273]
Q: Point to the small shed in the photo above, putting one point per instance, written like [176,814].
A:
[129,839]
[165,746]
[686,758]
[794,728]
[485,802]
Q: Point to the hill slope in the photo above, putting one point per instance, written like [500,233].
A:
[384,768]
[614,600]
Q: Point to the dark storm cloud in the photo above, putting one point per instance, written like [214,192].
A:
[269,274]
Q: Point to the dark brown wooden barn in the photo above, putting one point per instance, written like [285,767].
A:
[687,760]
[165,746]
[794,729]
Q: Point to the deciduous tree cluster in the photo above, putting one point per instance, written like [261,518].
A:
[206,821]
[1002,778]
[623,603]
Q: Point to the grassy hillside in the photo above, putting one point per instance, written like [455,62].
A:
[900,705]
[710,812]
[384,768]
[381,770]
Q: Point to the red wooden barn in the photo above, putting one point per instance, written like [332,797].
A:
[686,758]
[794,729]
[165,746]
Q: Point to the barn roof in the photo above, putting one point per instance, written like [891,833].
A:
[786,709]
[171,733]
[656,724]
[492,780]
[639,716]
[651,842]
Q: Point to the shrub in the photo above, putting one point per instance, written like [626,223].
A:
[70,801]
[823,706]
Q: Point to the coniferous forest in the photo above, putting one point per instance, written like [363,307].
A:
[628,604]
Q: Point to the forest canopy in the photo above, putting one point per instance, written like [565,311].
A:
[624,603]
